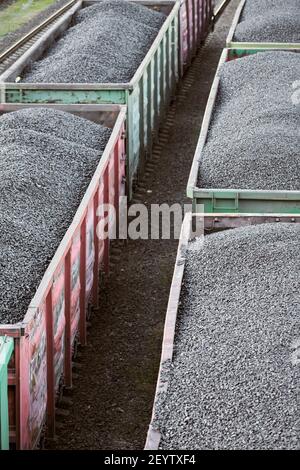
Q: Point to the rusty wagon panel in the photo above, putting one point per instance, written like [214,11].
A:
[43,342]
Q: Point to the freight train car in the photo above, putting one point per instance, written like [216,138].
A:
[146,94]
[43,341]
[264,27]
[240,146]
[228,377]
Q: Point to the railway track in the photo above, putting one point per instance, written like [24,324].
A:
[218,10]
[10,55]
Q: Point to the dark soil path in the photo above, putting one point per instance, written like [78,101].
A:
[113,394]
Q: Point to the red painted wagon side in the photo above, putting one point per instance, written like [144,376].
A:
[195,22]
[44,340]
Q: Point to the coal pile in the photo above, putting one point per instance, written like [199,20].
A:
[234,379]
[58,124]
[269,21]
[43,179]
[253,140]
[106,44]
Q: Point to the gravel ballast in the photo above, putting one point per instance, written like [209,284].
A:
[234,378]
[253,139]
[269,21]
[43,179]
[106,44]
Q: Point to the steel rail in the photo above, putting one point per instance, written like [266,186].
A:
[21,42]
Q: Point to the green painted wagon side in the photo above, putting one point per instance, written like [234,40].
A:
[193,226]
[240,49]
[6,349]
[242,201]
[147,95]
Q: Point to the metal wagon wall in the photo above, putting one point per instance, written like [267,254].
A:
[6,349]
[43,342]
[195,22]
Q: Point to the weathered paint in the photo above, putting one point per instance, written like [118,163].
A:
[236,52]
[195,22]
[6,349]
[43,342]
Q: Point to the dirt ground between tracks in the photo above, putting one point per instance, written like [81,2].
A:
[10,38]
[113,394]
